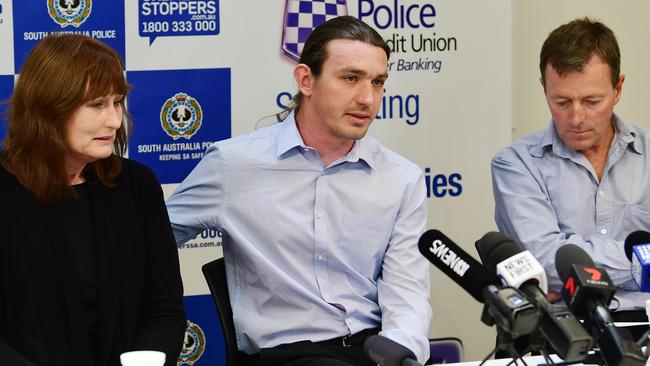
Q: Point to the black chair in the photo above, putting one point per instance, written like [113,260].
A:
[215,275]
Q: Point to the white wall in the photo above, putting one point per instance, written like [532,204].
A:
[534,20]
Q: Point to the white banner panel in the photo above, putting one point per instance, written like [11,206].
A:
[447,107]
[6,39]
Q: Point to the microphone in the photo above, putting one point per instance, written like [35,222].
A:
[387,352]
[588,290]
[520,269]
[637,250]
[506,306]
[512,264]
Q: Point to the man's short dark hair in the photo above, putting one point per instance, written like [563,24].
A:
[570,46]
[314,52]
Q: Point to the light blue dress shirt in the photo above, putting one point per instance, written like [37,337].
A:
[312,252]
[547,195]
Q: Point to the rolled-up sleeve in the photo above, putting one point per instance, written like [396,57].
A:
[197,202]
[404,287]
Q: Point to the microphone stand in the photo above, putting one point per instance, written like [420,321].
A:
[534,343]
[643,341]
[505,342]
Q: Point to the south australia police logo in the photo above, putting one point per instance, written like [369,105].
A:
[69,12]
[193,345]
[181,116]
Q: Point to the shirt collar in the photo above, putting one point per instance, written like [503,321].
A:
[289,138]
[550,140]
[288,135]
[362,151]
[625,135]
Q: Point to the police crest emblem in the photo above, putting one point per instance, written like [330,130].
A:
[181,116]
[69,12]
[193,345]
[301,17]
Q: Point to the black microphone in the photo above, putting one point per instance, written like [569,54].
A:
[520,269]
[387,352]
[588,290]
[507,307]
[637,250]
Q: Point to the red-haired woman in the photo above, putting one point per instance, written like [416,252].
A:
[88,264]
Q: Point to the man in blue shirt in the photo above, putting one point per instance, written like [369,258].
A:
[585,179]
[320,223]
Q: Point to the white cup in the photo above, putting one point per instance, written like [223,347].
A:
[142,358]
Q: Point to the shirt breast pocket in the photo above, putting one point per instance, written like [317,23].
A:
[363,242]
[636,217]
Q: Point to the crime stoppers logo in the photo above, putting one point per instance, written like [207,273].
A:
[181,116]
[193,345]
[69,12]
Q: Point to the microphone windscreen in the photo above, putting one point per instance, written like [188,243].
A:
[456,263]
[567,256]
[501,253]
[487,243]
[635,238]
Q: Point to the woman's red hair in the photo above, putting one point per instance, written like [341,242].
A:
[61,73]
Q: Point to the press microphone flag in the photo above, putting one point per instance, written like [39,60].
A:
[513,265]
[641,266]
[588,290]
[635,238]
[457,264]
[521,268]
[584,283]
[637,250]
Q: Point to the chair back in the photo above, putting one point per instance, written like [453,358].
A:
[445,350]
[215,275]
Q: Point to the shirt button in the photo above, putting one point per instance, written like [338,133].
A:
[601,193]
[603,231]
[318,215]
[320,257]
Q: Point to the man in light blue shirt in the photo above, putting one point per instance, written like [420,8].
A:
[320,223]
[585,179]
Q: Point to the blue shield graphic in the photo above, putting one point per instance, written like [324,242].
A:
[301,17]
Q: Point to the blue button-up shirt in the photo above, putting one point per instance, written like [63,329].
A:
[312,252]
[547,195]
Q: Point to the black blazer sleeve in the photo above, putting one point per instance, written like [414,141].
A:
[8,355]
